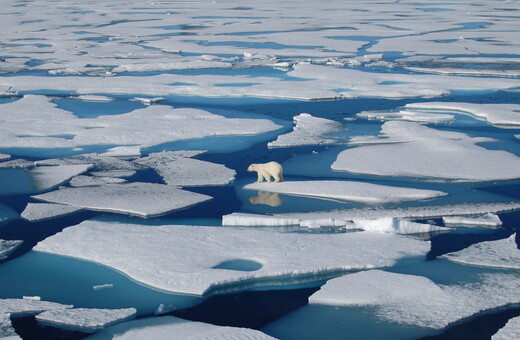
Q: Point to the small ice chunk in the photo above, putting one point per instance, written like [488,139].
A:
[394,225]
[407,115]
[41,211]
[28,307]
[487,220]
[168,256]
[99,162]
[8,246]
[85,181]
[501,254]
[347,191]
[95,98]
[149,101]
[176,168]
[46,177]
[416,300]
[169,327]
[3,156]
[309,130]
[87,320]
[17,163]
[140,199]
[510,331]
[243,219]
[113,173]
[103,286]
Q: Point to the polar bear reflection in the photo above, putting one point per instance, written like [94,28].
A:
[267,170]
[272,199]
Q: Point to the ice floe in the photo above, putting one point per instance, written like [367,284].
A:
[28,306]
[123,151]
[408,115]
[309,130]
[416,300]
[7,331]
[17,163]
[98,161]
[94,98]
[113,173]
[3,156]
[169,327]
[84,181]
[47,177]
[140,199]
[87,320]
[8,246]
[178,168]
[393,225]
[486,220]
[41,211]
[347,191]
[502,254]
[170,257]
[413,150]
[510,331]
[503,115]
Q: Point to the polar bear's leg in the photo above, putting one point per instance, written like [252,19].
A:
[266,176]
[260,177]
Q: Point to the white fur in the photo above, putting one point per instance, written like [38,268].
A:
[267,170]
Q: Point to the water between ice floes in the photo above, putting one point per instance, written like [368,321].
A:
[73,281]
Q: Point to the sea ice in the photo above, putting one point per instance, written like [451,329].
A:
[407,115]
[3,156]
[99,162]
[85,181]
[347,191]
[8,246]
[7,331]
[486,220]
[413,150]
[178,168]
[501,254]
[394,225]
[170,257]
[87,320]
[41,211]
[309,130]
[510,331]
[169,327]
[47,177]
[416,300]
[140,199]
[17,163]
[94,98]
[503,115]
[123,151]
[28,306]
[113,173]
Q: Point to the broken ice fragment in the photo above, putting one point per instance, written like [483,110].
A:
[41,211]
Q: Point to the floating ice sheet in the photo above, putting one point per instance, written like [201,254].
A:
[487,220]
[169,327]
[3,156]
[47,177]
[28,306]
[407,115]
[99,162]
[502,254]
[309,130]
[410,149]
[87,320]
[7,331]
[8,246]
[85,181]
[347,191]
[169,257]
[140,199]
[393,225]
[510,331]
[177,168]
[41,211]
[416,300]
[505,115]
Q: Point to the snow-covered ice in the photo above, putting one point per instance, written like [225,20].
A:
[501,254]
[178,168]
[170,257]
[47,177]
[28,306]
[8,246]
[486,220]
[413,150]
[41,211]
[416,300]
[85,181]
[141,199]
[169,327]
[309,130]
[87,320]
[393,225]
[510,331]
[113,173]
[347,191]
[7,331]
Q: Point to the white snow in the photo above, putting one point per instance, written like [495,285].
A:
[87,320]
[169,327]
[413,150]
[501,254]
[503,115]
[347,191]
[41,211]
[94,98]
[486,220]
[47,177]
[8,246]
[178,168]
[170,257]
[85,181]
[141,199]
[309,130]
[123,151]
[510,331]
[28,307]
[416,300]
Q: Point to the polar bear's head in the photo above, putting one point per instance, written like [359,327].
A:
[251,168]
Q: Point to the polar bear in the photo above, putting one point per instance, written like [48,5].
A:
[267,170]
